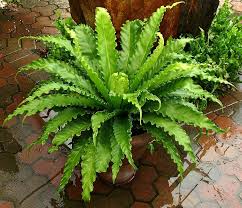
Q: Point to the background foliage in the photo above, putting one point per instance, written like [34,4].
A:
[221,47]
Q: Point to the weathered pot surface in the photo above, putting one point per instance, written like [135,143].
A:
[127,172]
[184,18]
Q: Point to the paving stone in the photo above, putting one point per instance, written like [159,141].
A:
[36,181]
[227,100]
[28,44]
[118,198]
[140,205]
[74,191]
[43,167]
[162,200]
[46,10]
[28,18]
[30,4]
[237,6]
[8,162]
[143,191]
[229,111]
[33,200]
[224,122]
[49,30]
[25,84]
[162,185]
[237,95]
[38,76]
[42,3]
[12,147]
[191,200]
[13,43]
[5,93]
[17,55]
[6,204]
[232,169]
[7,70]
[2,114]
[63,13]
[43,22]
[102,188]
[24,30]
[237,115]
[146,174]
[208,205]
[49,168]
[29,156]
[7,26]
[3,44]
[162,161]
[25,60]
[60,3]
[2,82]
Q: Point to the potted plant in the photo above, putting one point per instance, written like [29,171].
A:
[185,18]
[104,96]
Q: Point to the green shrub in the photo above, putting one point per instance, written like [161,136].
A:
[103,95]
[222,46]
[12,1]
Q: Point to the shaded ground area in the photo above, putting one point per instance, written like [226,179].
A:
[28,179]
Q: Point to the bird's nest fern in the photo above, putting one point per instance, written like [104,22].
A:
[101,92]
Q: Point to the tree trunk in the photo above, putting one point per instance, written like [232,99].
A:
[185,18]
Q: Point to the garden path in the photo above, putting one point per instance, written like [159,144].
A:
[28,179]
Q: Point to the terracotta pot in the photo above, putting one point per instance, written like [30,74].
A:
[127,173]
[184,18]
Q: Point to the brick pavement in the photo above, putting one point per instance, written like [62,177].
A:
[29,178]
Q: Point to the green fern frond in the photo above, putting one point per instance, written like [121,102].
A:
[146,40]
[59,69]
[173,129]
[57,40]
[88,170]
[103,147]
[118,85]
[63,24]
[117,157]
[85,39]
[186,88]
[122,131]
[49,101]
[94,77]
[146,95]
[211,78]
[50,86]
[171,52]
[61,119]
[133,99]
[129,36]
[168,144]
[149,64]
[85,44]
[187,112]
[172,72]
[98,119]
[73,160]
[71,129]
[106,43]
